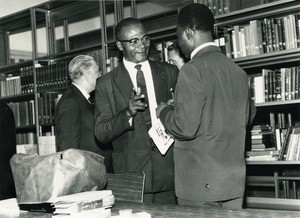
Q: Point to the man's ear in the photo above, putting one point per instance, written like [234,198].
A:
[119,45]
[189,33]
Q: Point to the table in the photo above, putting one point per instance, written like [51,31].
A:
[176,211]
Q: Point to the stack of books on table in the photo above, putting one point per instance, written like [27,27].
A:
[83,204]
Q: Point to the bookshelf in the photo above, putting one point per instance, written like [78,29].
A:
[32,87]
[53,33]
[270,184]
[87,27]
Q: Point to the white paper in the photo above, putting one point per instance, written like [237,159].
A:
[162,140]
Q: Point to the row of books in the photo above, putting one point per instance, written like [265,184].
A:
[97,55]
[290,188]
[287,147]
[268,154]
[53,76]
[26,138]
[27,79]
[261,137]
[10,85]
[275,85]
[291,147]
[262,36]
[24,112]
[221,6]
[270,142]
[281,120]
[262,144]
[27,143]
[111,63]
[46,106]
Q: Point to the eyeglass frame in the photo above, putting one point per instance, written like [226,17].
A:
[135,44]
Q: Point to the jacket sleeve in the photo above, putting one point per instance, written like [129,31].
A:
[183,121]
[68,125]
[109,123]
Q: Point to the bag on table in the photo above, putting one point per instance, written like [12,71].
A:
[42,178]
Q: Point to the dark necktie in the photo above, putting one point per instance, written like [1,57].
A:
[140,79]
[91,101]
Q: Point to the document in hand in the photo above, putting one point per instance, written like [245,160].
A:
[84,201]
[162,140]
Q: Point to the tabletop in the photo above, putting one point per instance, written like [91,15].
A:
[174,211]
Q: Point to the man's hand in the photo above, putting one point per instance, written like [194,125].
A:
[159,108]
[135,103]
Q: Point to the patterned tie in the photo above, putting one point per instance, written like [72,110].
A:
[140,79]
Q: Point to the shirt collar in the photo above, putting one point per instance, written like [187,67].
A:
[131,65]
[85,94]
[201,47]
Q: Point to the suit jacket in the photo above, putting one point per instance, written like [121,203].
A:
[209,119]
[74,125]
[133,150]
[7,150]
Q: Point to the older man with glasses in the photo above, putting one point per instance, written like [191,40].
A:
[126,99]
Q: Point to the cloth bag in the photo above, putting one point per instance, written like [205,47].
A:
[43,178]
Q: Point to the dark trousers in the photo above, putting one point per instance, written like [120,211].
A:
[166,197]
[234,204]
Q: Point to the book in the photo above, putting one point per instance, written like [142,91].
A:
[293,145]
[262,158]
[74,203]
[259,90]
[94,213]
[84,201]
[285,143]
[262,153]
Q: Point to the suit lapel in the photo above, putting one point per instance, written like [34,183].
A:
[122,84]
[81,97]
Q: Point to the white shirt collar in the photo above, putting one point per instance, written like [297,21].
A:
[85,94]
[201,47]
[130,66]
[149,83]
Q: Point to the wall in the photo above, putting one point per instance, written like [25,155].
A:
[11,6]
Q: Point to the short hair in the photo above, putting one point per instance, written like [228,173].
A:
[124,24]
[196,16]
[175,47]
[80,65]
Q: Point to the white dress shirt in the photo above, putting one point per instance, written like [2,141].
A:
[149,83]
[85,94]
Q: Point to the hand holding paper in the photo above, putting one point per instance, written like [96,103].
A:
[162,140]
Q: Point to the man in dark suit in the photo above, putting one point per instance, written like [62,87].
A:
[74,113]
[209,119]
[7,150]
[125,111]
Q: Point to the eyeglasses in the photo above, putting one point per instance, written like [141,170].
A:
[135,41]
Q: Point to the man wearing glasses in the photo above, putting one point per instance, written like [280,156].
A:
[125,102]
